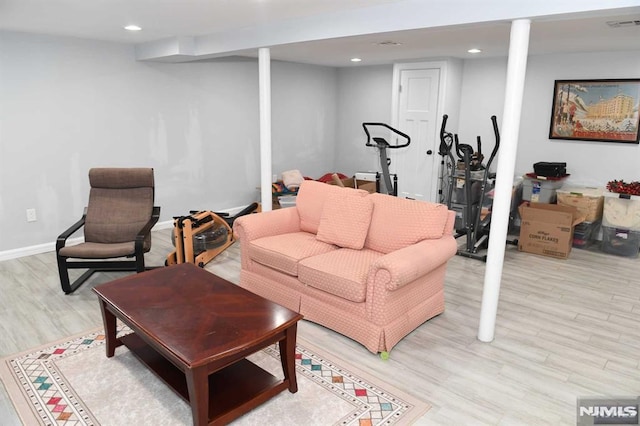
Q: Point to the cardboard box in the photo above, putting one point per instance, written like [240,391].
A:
[588,201]
[547,229]
[360,184]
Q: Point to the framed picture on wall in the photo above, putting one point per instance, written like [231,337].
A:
[596,110]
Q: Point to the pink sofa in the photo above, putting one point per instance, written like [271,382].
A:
[369,266]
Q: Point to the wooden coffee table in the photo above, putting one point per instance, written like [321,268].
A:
[194,331]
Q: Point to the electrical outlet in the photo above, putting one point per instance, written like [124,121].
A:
[31,215]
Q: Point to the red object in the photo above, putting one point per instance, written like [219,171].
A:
[327,177]
[622,187]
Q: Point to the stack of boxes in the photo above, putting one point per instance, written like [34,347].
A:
[546,228]
[617,214]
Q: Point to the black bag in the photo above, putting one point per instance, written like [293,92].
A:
[547,169]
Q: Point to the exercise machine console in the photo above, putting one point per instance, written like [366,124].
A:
[382,145]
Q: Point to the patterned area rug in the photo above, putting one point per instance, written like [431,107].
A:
[73,383]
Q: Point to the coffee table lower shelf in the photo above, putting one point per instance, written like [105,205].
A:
[233,391]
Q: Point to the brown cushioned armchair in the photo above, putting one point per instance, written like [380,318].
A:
[117,224]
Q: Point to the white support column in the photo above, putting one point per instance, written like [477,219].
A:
[264,78]
[516,69]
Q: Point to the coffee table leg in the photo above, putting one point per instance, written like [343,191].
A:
[109,321]
[288,357]
[198,386]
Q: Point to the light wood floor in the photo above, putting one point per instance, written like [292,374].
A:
[565,329]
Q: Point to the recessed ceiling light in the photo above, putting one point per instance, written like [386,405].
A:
[474,50]
[132,28]
[356,59]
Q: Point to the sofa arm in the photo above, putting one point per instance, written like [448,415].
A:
[403,266]
[265,224]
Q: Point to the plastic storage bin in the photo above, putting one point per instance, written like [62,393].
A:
[539,190]
[621,211]
[588,201]
[620,241]
[584,234]
[287,201]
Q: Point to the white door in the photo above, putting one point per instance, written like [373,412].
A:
[417,165]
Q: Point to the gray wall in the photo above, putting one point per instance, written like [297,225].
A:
[364,94]
[67,105]
[304,118]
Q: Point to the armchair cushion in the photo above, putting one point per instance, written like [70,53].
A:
[345,219]
[120,204]
[98,250]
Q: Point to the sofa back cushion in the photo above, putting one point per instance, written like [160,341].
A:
[399,222]
[310,202]
[345,219]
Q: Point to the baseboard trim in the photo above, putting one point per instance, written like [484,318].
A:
[47,247]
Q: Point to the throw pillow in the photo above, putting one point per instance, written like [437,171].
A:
[345,219]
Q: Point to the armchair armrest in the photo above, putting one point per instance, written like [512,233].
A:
[264,224]
[62,238]
[146,229]
[403,266]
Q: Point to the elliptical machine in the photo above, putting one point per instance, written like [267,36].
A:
[469,177]
[385,161]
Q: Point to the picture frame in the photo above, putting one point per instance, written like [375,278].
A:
[603,110]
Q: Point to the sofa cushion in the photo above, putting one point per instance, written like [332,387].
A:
[342,272]
[399,222]
[345,219]
[310,201]
[283,252]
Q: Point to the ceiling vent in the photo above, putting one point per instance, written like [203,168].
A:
[620,24]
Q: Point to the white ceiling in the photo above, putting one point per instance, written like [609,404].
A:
[317,40]
[105,19]
[574,35]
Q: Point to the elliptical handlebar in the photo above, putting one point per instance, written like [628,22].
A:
[446,138]
[387,145]
[496,132]
[448,141]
